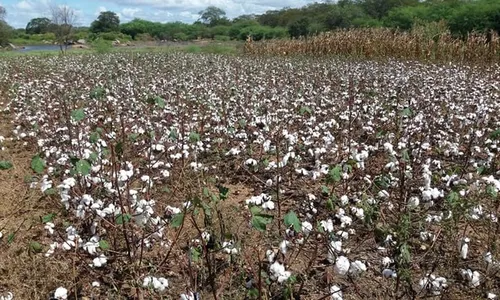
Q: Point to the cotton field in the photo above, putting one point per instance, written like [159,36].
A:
[176,176]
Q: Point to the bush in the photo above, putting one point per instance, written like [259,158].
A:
[222,38]
[181,36]
[102,46]
[144,37]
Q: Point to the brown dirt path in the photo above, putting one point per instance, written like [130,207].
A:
[27,275]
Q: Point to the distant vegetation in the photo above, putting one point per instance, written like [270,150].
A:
[459,16]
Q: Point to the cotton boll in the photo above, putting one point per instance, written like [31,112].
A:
[278,272]
[306,227]
[335,247]
[336,293]
[357,268]
[413,202]
[342,265]
[61,293]
[491,296]
[283,246]
[388,273]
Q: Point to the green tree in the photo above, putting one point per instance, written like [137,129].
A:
[212,16]
[107,21]
[38,26]
[299,28]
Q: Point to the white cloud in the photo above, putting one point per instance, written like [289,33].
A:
[24,5]
[128,12]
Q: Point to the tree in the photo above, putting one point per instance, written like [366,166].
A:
[3,13]
[63,18]
[212,16]
[38,26]
[5,29]
[107,21]
[299,28]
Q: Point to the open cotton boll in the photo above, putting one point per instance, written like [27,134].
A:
[9,296]
[388,273]
[473,278]
[357,268]
[336,293]
[61,293]
[334,248]
[188,296]
[491,296]
[342,265]
[99,261]
[278,272]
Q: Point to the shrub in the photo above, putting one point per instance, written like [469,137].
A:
[102,46]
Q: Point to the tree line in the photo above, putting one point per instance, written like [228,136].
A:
[460,17]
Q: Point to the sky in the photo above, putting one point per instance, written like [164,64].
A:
[19,13]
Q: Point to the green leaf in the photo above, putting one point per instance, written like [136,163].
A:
[123,218]
[133,137]
[94,137]
[119,149]
[291,219]
[194,137]
[305,109]
[5,165]
[10,238]
[159,101]
[93,156]
[329,204]
[173,135]
[223,192]
[491,191]
[37,164]
[195,254]
[78,114]
[325,190]
[405,155]
[97,93]
[50,191]
[495,135]
[177,220]
[48,218]
[103,244]
[242,123]
[83,167]
[35,247]
[335,174]
[407,112]
[260,220]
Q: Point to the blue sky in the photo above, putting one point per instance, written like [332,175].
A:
[20,12]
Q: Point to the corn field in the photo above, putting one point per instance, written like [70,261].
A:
[419,44]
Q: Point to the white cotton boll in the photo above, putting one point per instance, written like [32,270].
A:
[306,227]
[271,255]
[345,221]
[278,272]
[336,293]
[9,296]
[342,265]
[49,226]
[387,261]
[100,261]
[344,200]
[413,202]
[388,273]
[188,296]
[283,246]
[268,205]
[383,194]
[61,293]
[472,277]
[269,183]
[335,247]
[327,225]
[357,268]
[491,296]
[96,284]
